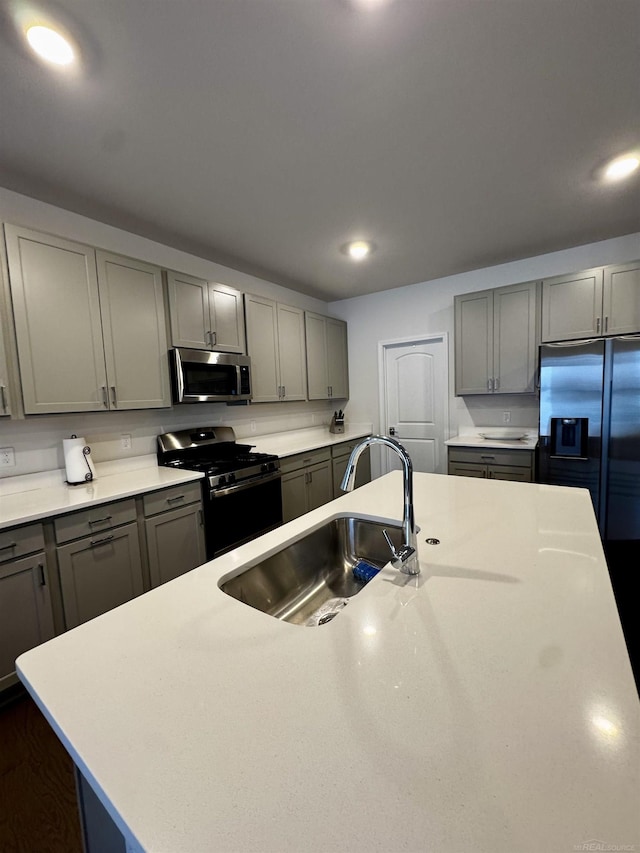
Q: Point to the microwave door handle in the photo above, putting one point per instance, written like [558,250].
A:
[179,376]
[238,382]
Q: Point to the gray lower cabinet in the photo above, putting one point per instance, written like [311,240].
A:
[101,570]
[340,456]
[174,528]
[492,464]
[307,482]
[26,616]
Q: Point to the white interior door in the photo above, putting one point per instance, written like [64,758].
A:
[415,402]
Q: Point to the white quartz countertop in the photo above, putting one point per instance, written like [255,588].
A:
[36,502]
[487,705]
[529,441]
[302,440]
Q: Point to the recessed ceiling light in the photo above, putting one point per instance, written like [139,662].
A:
[50,45]
[622,167]
[358,249]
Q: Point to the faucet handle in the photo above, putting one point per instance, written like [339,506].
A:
[392,547]
[401,556]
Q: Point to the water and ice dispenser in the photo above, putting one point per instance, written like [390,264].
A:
[569,437]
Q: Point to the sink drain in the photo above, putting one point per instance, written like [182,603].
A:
[327,612]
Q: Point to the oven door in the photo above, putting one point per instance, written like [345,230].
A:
[240,513]
[209,377]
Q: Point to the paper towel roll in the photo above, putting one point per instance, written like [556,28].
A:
[77,461]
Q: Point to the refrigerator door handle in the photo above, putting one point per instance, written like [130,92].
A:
[581,342]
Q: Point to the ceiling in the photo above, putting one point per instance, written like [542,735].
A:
[264,134]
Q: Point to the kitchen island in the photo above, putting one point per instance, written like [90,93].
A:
[487,704]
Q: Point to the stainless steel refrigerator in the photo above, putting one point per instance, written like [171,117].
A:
[590,433]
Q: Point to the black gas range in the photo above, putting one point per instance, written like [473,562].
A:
[242,495]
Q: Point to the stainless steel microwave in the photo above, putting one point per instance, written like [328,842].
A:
[199,376]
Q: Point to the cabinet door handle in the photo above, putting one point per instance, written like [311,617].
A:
[201,517]
[214,339]
[95,542]
[606,325]
[105,399]
[489,385]
[598,326]
[100,520]
[4,398]
[496,384]
[113,395]
[284,391]
[43,580]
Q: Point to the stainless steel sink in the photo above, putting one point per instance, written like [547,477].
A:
[301,582]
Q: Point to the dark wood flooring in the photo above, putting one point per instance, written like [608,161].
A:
[38,810]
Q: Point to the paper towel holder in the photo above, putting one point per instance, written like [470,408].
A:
[88,477]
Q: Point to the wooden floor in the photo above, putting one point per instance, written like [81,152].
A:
[38,811]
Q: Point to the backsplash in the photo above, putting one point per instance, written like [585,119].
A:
[37,441]
[484,411]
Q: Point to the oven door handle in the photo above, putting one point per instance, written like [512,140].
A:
[247,484]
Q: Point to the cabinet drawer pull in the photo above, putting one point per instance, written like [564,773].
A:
[104,541]
[176,498]
[6,547]
[100,520]
[491,458]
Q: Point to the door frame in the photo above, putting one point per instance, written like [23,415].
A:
[431,337]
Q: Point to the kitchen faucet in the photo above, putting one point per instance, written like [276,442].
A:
[406,558]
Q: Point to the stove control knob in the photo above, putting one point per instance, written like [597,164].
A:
[222,481]
[265,467]
[231,478]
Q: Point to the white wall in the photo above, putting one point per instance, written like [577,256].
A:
[428,308]
[37,440]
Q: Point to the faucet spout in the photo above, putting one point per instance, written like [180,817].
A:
[406,559]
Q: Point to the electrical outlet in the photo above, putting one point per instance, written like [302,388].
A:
[506,417]
[253,426]
[7,457]
[125,441]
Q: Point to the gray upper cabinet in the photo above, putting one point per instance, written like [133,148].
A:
[90,327]
[275,342]
[593,303]
[205,315]
[135,336]
[327,359]
[496,339]
[5,404]
[54,288]
[621,299]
